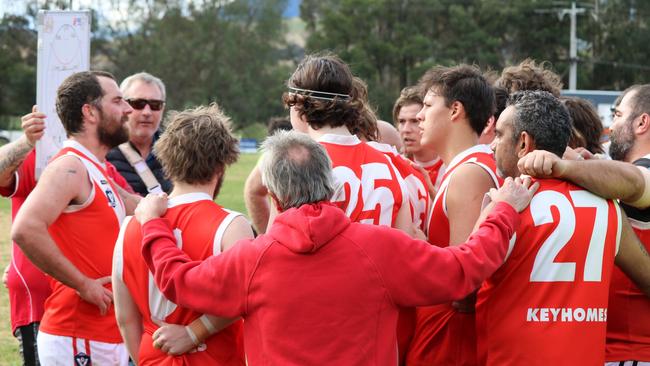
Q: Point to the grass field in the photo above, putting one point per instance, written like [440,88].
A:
[231,197]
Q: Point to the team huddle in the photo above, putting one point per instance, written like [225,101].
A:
[488,228]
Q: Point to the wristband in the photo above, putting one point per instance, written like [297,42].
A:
[190,332]
[208,324]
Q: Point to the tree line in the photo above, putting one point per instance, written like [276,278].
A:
[238,53]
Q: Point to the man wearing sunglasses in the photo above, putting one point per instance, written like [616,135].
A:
[134,159]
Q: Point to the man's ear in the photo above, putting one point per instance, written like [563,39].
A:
[89,112]
[525,144]
[643,124]
[276,202]
[457,110]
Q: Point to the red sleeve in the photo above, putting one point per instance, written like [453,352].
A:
[216,285]
[25,178]
[118,178]
[417,273]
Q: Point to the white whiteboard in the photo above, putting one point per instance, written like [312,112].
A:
[63,49]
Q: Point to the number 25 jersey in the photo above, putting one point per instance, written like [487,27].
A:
[548,301]
[365,182]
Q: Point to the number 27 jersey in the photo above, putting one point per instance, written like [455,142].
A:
[366,185]
[548,301]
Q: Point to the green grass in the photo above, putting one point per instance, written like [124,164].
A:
[231,197]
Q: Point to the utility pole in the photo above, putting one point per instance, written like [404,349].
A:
[573,47]
[573,38]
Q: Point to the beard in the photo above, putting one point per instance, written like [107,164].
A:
[622,141]
[112,133]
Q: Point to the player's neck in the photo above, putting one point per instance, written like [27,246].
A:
[181,188]
[317,134]
[93,145]
[456,145]
[424,155]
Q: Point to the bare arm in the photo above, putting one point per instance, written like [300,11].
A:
[606,178]
[257,201]
[63,182]
[128,317]
[13,154]
[633,258]
[465,194]
[467,187]
[130,200]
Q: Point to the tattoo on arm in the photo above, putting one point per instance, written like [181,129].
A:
[10,160]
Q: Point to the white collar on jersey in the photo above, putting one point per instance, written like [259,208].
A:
[188,198]
[77,146]
[385,148]
[426,164]
[474,149]
[340,139]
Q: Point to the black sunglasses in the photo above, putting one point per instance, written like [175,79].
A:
[139,104]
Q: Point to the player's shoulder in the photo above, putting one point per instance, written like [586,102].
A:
[469,175]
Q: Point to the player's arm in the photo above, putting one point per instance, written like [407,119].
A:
[130,199]
[606,178]
[632,257]
[128,317]
[63,182]
[437,274]
[404,221]
[465,193]
[13,153]
[257,201]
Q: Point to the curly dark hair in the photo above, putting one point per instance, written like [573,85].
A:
[466,84]
[325,73]
[543,117]
[529,75]
[366,126]
[76,90]
[587,126]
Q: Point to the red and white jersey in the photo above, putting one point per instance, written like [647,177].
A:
[366,185]
[414,183]
[548,301]
[435,168]
[86,235]
[438,222]
[628,318]
[199,225]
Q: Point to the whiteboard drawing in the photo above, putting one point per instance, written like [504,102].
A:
[63,49]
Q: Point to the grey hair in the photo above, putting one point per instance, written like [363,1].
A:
[544,118]
[296,169]
[640,100]
[145,77]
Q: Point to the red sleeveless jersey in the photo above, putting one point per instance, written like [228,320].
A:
[444,336]
[435,168]
[86,235]
[366,185]
[199,225]
[548,302]
[414,183]
[480,155]
[628,318]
